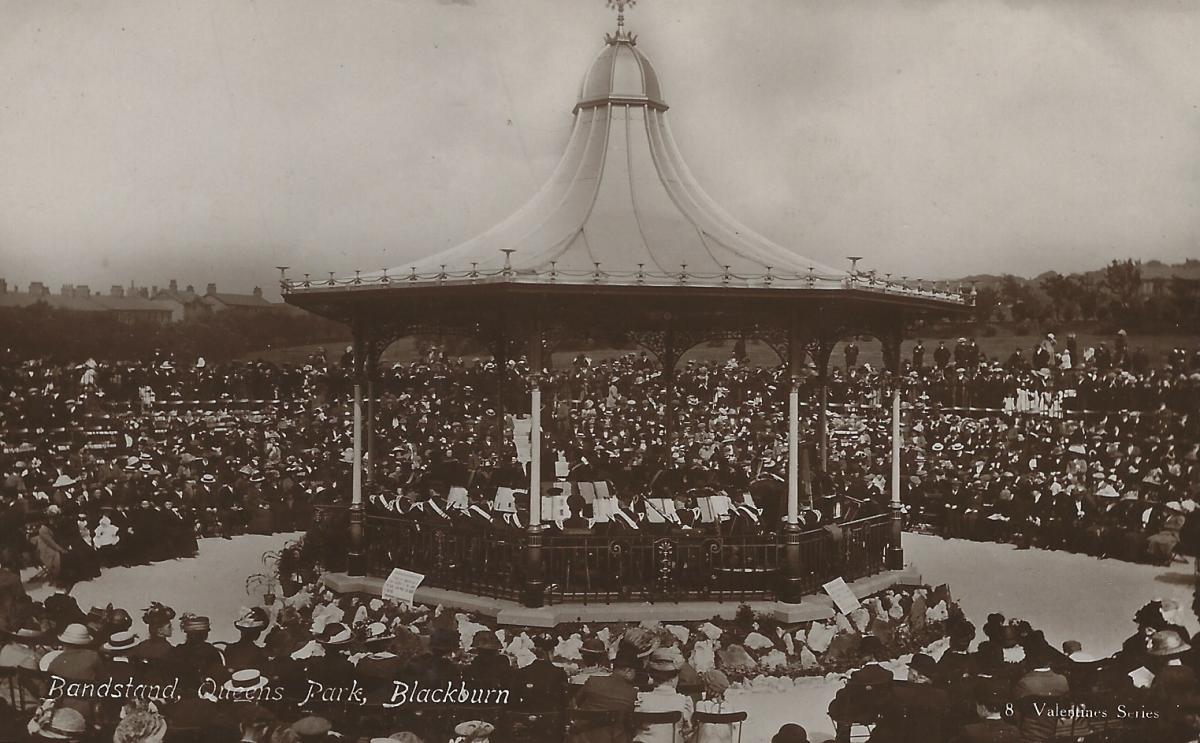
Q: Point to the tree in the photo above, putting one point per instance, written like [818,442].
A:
[1059,290]
[987,301]
[1086,294]
[1124,280]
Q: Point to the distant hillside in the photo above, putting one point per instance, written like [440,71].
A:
[1151,270]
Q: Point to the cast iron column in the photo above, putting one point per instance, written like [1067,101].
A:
[372,364]
[791,590]
[891,357]
[356,558]
[534,593]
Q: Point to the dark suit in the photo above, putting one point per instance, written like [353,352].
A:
[199,660]
[244,654]
[77,664]
[914,712]
[541,685]
[604,694]
[12,595]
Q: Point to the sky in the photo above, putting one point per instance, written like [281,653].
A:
[211,140]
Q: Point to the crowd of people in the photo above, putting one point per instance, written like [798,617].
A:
[317,667]
[1014,685]
[130,462]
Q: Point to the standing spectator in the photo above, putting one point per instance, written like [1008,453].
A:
[12,596]
[918,355]
[941,355]
[851,352]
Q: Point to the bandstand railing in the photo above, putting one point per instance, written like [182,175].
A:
[631,566]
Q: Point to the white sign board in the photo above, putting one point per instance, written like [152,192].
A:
[842,595]
[505,500]
[401,585]
[603,509]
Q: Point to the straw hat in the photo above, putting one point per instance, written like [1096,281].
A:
[121,642]
[64,481]
[244,681]
[76,634]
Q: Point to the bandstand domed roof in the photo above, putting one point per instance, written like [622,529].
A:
[621,203]
[620,73]
[621,208]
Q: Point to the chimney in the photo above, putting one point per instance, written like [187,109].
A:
[67,290]
[38,289]
[258,292]
[143,292]
[83,290]
[191,288]
[211,290]
[3,286]
[154,291]
[117,290]
[174,285]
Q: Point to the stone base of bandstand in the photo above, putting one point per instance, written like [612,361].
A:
[812,608]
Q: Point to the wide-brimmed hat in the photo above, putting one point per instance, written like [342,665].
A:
[335,634]
[377,632]
[29,629]
[474,730]
[253,618]
[76,634]
[594,647]
[246,680]
[668,660]
[1166,643]
[121,642]
[64,481]
[64,723]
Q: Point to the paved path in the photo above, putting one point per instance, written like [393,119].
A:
[1068,596]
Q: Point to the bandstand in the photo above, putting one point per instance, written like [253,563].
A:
[622,242]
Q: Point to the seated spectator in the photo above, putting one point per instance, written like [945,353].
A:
[991,703]
[917,709]
[663,668]
[716,684]
[595,661]
[1040,681]
[790,733]
[613,692]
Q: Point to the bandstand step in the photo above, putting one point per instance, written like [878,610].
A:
[811,608]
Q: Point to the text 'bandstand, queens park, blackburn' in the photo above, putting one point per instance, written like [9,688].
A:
[620,243]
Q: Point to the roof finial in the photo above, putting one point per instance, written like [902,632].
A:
[622,35]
